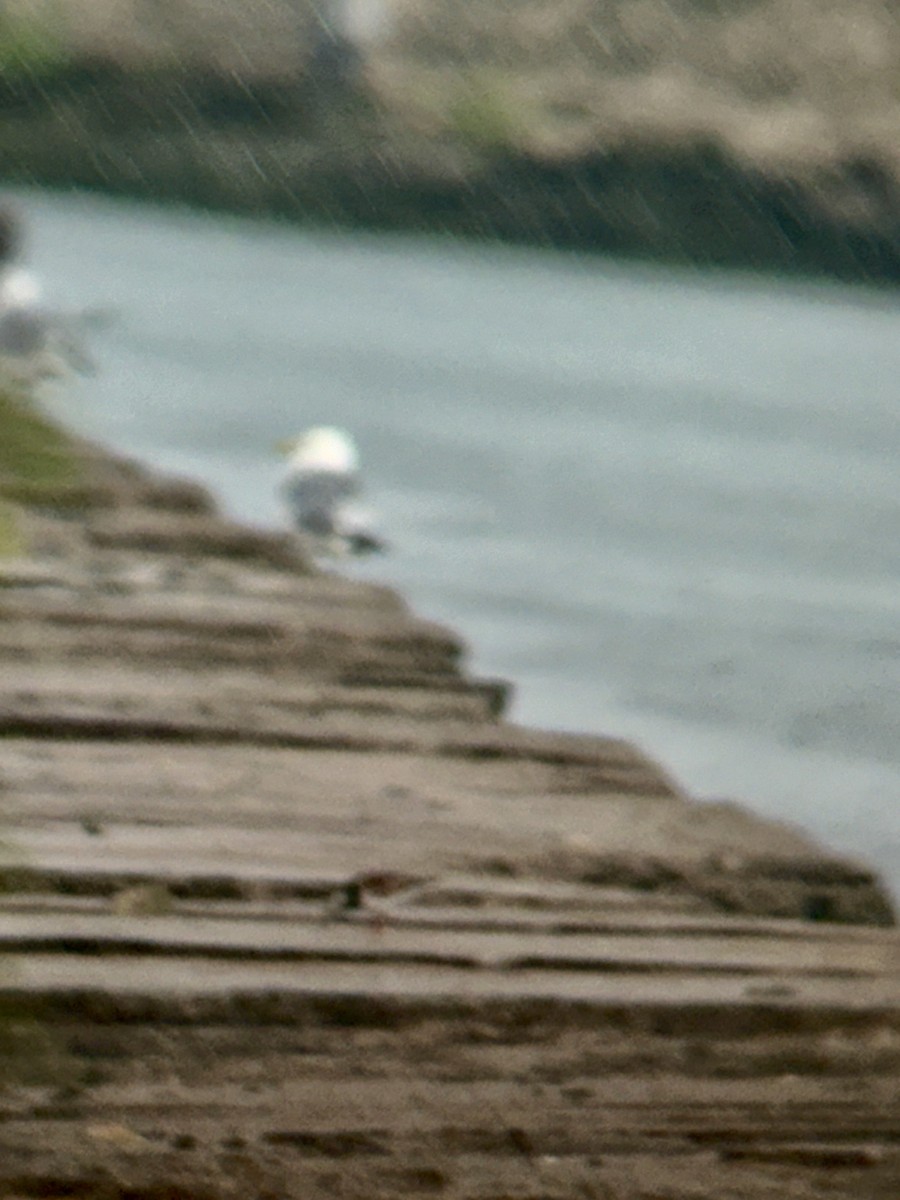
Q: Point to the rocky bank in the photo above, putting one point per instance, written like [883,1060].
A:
[753,132]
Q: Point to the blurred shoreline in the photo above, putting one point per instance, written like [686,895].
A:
[745,135]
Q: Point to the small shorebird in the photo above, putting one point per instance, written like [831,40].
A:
[35,342]
[321,487]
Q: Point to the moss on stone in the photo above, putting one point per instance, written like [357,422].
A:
[37,463]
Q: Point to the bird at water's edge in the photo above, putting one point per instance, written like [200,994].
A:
[321,488]
[35,342]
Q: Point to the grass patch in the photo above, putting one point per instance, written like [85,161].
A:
[32,447]
[11,541]
[36,464]
[484,117]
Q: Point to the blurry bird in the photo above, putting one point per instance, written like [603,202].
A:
[35,342]
[19,290]
[320,488]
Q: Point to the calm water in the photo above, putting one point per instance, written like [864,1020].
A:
[666,506]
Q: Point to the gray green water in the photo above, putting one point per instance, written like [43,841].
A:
[665,505]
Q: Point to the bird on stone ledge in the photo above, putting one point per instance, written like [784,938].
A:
[321,487]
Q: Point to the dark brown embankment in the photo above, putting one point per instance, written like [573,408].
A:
[292,910]
[759,134]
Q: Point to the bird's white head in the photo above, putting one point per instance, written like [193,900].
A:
[18,289]
[321,449]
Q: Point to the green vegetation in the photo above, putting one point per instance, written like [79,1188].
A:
[35,460]
[484,118]
[30,46]
[10,535]
[32,448]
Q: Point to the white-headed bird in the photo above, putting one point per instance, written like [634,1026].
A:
[321,489]
[35,342]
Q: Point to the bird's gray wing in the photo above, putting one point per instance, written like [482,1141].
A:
[315,499]
[23,332]
[29,335]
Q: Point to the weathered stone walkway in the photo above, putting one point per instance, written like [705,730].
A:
[301,914]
